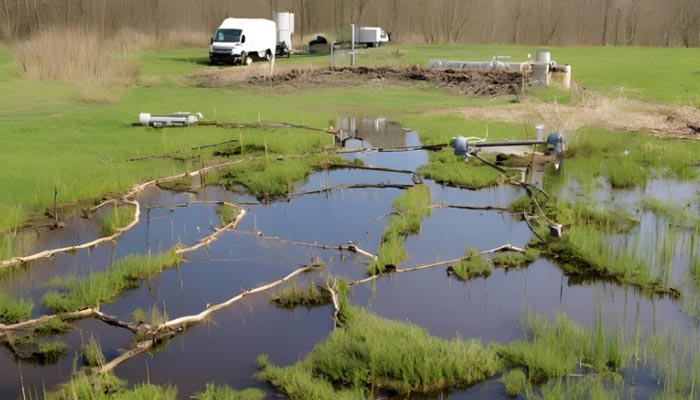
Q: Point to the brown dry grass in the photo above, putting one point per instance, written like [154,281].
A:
[618,114]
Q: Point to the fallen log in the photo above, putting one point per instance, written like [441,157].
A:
[351,186]
[48,253]
[349,247]
[470,207]
[505,247]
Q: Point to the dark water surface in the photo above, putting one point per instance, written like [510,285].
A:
[224,349]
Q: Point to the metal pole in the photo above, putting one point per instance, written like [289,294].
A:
[352,45]
[332,61]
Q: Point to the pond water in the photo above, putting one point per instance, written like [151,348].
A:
[224,349]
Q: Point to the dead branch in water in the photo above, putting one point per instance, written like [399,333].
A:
[170,328]
[48,253]
[352,186]
[505,247]
[470,207]
[212,237]
[349,247]
[44,318]
[332,288]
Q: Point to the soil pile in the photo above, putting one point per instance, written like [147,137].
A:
[467,82]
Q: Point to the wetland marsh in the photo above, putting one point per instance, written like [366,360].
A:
[609,310]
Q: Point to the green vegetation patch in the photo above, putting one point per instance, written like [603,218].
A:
[560,347]
[177,185]
[116,218]
[226,392]
[290,296]
[446,168]
[409,210]
[269,177]
[52,326]
[675,214]
[627,160]
[373,352]
[674,357]
[101,287]
[13,310]
[109,387]
[512,259]
[92,353]
[471,266]
[227,213]
[515,382]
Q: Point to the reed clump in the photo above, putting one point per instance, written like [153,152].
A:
[311,295]
[446,168]
[92,353]
[116,218]
[409,210]
[53,326]
[13,310]
[375,353]
[227,213]
[515,382]
[109,387]
[268,178]
[101,287]
[226,392]
[559,347]
[512,259]
[473,265]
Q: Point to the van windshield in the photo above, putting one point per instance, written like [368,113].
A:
[228,35]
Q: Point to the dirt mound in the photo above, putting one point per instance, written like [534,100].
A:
[467,82]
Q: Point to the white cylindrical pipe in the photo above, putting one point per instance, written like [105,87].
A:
[540,131]
[542,56]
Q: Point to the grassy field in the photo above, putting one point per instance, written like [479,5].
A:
[56,136]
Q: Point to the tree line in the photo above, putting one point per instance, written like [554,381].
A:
[674,23]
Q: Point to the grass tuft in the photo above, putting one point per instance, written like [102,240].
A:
[471,266]
[515,382]
[101,287]
[92,353]
[13,310]
[115,219]
[226,392]
[311,295]
[53,326]
[410,208]
[372,352]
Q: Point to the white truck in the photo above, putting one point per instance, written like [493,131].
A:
[242,40]
[371,36]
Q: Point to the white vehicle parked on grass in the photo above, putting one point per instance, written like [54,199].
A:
[242,40]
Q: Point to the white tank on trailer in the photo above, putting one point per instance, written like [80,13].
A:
[285,28]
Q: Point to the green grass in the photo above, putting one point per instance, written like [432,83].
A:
[410,208]
[471,266]
[676,214]
[559,347]
[50,352]
[82,154]
[92,353]
[102,287]
[290,296]
[515,382]
[627,160]
[446,168]
[13,310]
[226,213]
[674,357]
[109,387]
[372,353]
[52,326]
[225,392]
[515,259]
[116,218]
[269,178]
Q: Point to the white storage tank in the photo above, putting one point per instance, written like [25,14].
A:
[285,28]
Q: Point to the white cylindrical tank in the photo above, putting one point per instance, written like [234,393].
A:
[543,56]
[285,27]
[540,131]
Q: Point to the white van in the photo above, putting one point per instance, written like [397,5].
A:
[242,40]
